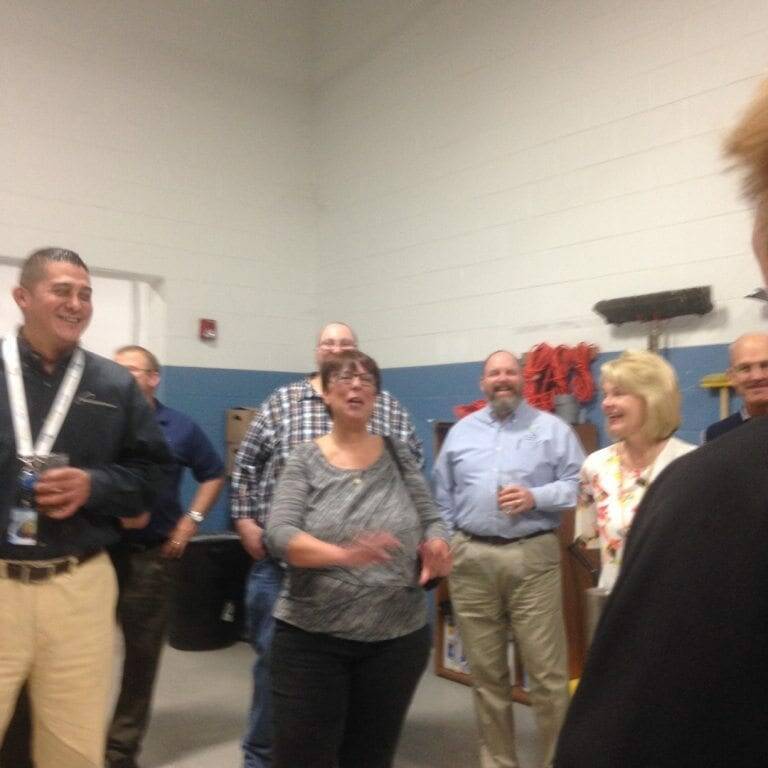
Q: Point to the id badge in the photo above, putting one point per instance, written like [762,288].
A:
[22,525]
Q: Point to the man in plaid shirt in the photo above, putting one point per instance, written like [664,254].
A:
[291,415]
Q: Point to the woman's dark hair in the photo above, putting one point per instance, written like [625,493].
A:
[348,360]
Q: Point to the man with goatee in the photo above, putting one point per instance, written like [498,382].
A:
[502,479]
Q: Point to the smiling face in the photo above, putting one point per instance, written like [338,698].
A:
[502,383]
[351,394]
[57,308]
[749,371]
[625,413]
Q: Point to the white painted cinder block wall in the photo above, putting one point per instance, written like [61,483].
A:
[488,170]
[169,139]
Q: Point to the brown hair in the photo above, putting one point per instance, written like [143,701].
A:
[747,145]
[348,360]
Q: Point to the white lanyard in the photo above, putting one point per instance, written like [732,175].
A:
[18,401]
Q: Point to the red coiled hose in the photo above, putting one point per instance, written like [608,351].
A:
[551,371]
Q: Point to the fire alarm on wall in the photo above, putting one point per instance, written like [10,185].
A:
[207,329]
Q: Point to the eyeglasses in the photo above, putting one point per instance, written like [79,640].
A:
[134,369]
[333,344]
[347,379]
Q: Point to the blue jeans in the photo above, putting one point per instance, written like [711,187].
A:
[264,583]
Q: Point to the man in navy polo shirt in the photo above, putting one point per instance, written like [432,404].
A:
[143,560]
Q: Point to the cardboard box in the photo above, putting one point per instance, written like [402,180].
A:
[238,421]
[230,459]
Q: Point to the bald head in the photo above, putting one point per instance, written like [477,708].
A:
[333,338]
[749,371]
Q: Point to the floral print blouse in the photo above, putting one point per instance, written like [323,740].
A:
[609,495]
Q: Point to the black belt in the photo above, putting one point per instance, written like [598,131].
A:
[501,540]
[137,546]
[35,572]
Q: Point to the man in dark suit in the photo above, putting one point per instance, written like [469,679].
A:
[749,377]
[678,671]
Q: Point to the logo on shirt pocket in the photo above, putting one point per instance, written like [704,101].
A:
[89,398]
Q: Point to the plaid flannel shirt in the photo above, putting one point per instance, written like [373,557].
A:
[292,415]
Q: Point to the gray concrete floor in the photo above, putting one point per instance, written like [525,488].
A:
[202,699]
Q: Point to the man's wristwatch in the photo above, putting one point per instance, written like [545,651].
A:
[195,516]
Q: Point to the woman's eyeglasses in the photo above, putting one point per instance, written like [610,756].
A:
[347,379]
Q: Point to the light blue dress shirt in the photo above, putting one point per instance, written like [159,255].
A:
[531,448]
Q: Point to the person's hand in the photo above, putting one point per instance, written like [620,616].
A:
[436,560]
[252,538]
[516,499]
[134,523]
[176,543]
[59,493]
[368,549]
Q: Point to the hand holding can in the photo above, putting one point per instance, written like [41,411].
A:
[513,497]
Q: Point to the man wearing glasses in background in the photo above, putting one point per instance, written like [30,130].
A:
[291,415]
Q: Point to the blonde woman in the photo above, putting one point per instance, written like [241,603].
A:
[641,405]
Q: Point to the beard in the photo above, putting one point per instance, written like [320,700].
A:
[504,405]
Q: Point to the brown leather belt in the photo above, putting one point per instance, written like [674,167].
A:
[36,571]
[501,540]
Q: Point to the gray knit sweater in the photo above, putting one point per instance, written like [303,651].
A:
[377,602]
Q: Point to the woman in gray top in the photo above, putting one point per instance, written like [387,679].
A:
[351,516]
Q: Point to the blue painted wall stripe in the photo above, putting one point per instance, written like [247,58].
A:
[429,393]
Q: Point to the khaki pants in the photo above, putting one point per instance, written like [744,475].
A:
[498,590]
[59,635]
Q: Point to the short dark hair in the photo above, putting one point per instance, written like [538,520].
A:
[346,360]
[152,362]
[33,268]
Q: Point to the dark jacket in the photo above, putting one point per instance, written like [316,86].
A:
[110,430]
[723,426]
[678,671]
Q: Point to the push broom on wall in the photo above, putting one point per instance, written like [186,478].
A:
[656,308]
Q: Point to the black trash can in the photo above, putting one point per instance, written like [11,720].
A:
[206,610]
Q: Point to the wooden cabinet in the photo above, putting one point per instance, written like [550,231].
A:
[579,573]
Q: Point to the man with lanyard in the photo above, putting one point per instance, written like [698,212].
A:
[61,406]
[292,414]
[748,373]
[144,556]
[503,477]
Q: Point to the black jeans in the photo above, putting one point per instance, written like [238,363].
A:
[341,702]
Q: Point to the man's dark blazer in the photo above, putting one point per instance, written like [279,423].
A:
[723,426]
